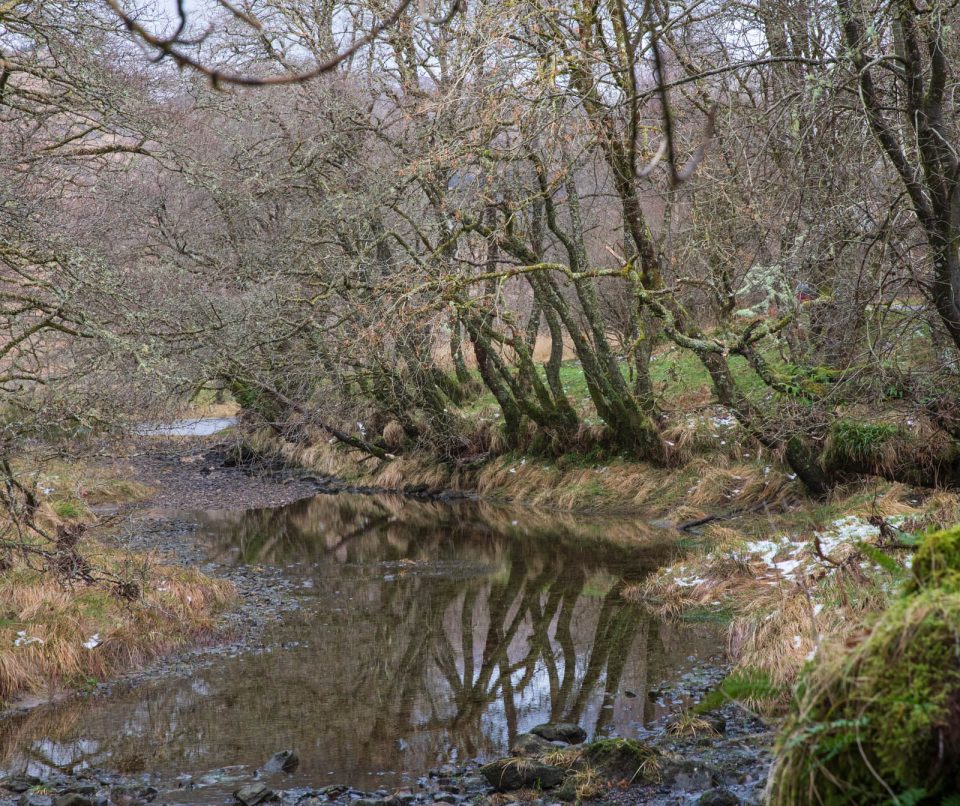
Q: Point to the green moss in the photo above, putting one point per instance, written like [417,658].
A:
[884,718]
[69,510]
[623,758]
[854,443]
[937,561]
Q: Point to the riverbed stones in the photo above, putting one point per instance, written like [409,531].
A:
[21,783]
[284,761]
[517,773]
[567,732]
[72,799]
[252,794]
[687,774]
[719,797]
[530,745]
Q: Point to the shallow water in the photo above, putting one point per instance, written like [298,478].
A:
[427,633]
[199,427]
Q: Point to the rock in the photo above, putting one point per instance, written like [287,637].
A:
[35,799]
[560,732]
[284,761]
[624,758]
[82,788]
[474,784]
[517,773]
[123,795]
[368,802]
[333,791]
[718,797]
[716,721]
[72,799]
[21,783]
[447,797]
[529,744]
[252,794]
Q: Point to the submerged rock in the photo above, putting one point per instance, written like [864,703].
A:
[284,761]
[560,732]
[252,794]
[517,773]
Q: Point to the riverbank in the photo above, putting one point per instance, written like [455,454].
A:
[269,594]
[712,473]
[698,585]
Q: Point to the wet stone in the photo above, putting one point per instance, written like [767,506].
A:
[687,775]
[529,744]
[252,794]
[284,761]
[82,788]
[560,732]
[35,799]
[21,783]
[718,797]
[512,773]
[72,799]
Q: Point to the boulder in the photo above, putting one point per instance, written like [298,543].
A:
[530,745]
[518,773]
[35,799]
[567,732]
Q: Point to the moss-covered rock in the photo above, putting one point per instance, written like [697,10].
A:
[623,759]
[937,562]
[882,720]
[519,773]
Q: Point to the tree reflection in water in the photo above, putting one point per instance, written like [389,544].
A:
[425,630]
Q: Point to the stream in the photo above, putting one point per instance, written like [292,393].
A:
[425,634]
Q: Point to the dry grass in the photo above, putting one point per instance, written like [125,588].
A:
[688,725]
[80,484]
[588,783]
[45,623]
[565,757]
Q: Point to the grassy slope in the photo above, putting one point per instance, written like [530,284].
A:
[57,634]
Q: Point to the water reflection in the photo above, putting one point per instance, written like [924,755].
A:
[427,632]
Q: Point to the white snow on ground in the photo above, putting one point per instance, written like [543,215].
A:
[792,557]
